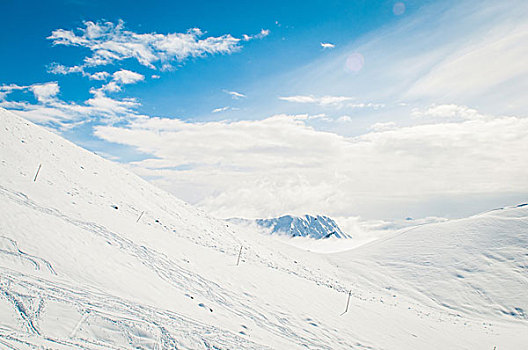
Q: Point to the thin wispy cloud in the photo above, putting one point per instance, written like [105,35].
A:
[235,95]
[322,100]
[220,109]
[331,101]
[7,89]
[479,61]
[489,63]
[447,111]
[383,126]
[262,34]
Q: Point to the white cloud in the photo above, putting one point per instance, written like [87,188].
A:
[466,53]
[50,110]
[155,76]
[322,100]
[327,45]
[383,126]
[111,87]
[99,76]
[45,92]
[450,111]
[331,101]
[7,89]
[120,78]
[344,119]
[262,34]
[235,95]
[124,76]
[366,105]
[281,164]
[57,68]
[220,109]
[485,64]
[110,42]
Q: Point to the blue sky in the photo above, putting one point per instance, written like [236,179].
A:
[196,87]
[378,109]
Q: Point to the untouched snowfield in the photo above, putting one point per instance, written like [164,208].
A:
[93,257]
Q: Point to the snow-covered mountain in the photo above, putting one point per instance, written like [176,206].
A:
[317,227]
[94,257]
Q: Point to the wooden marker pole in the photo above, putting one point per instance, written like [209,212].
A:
[348,303]
[239,254]
[35,179]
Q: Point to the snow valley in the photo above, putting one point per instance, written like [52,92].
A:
[93,257]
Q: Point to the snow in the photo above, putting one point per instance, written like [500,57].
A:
[79,270]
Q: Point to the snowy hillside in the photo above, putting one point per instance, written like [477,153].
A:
[477,265]
[316,227]
[93,257]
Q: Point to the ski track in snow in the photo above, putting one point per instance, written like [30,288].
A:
[165,327]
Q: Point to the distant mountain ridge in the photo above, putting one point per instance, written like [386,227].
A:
[317,227]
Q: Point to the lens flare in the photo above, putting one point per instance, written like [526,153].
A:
[398,9]
[354,62]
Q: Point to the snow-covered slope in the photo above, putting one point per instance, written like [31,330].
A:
[316,227]
[476,265]
[93,257]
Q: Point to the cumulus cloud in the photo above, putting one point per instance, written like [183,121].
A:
[45,92]
[281,164]
[124,76]
[110,42]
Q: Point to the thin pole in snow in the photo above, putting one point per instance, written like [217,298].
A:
[348,303]
[140,215]
[239,254]
[35,179]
